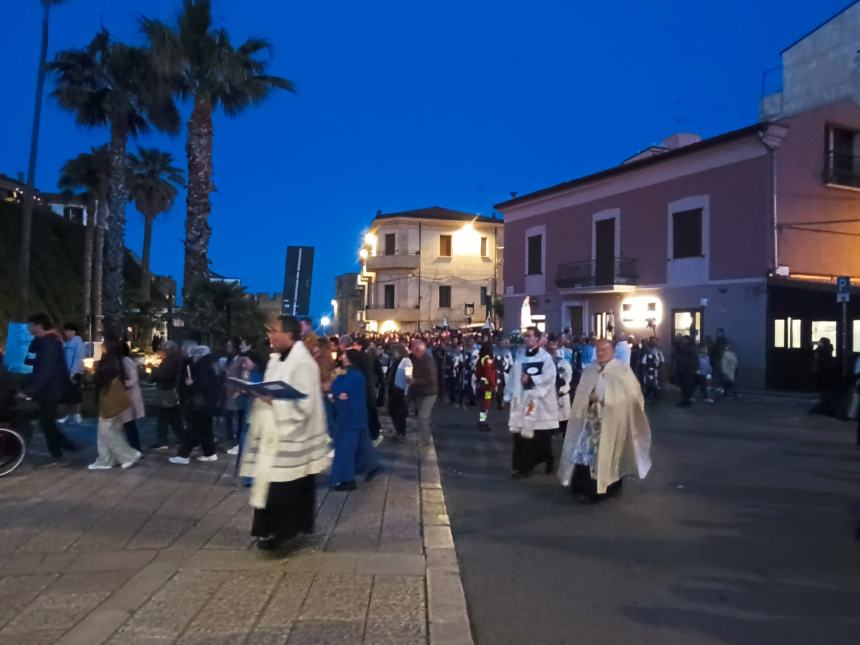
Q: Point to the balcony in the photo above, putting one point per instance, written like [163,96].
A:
[399,260]
[841,169]
[399,314]
[612,274]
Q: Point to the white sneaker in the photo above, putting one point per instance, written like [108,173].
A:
[377,441]
[98,466]
[182,461]
[63,419]
[129,464]
[212,457]
[234,450]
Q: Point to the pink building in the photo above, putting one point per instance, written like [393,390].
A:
[746,231]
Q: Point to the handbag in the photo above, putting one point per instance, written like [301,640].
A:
[114,400]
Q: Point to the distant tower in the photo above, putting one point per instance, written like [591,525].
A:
[297,280]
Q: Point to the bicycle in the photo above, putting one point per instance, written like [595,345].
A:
[12,450]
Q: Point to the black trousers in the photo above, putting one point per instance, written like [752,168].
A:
[132,435]
[688,386]
[582,484]
[289,510]
[169,418]
[397,409]
[373,420]
[199,432]
[528,453]
[54,437]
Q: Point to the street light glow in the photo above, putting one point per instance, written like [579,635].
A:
[369,239]
[363,254]
[325,321]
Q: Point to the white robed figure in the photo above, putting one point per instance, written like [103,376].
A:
[608,436]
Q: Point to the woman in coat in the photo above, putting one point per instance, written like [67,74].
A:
[131,379]
[114,401]
[353,450]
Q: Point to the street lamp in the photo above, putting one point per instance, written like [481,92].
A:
[363,254]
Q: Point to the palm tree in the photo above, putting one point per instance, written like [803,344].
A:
[27,215]
[112,84]
[205,68]
[154,183]
[91,171]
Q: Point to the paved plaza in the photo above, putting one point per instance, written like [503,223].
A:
[162,554]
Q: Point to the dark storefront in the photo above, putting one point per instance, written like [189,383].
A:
[799,315]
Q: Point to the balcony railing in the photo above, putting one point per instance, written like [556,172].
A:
[841,169]
[594,273]
[399,260]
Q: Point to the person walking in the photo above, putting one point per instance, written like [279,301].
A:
[703,374]
[166,378]
[114,400]
[353,450]
[485,376]
[287,444]
[73,350]
[422,386]
[563,378]
[234,413]
[48,383]
[399,371]
[610,437]
[729,369]
[131,379]
[686,366]
[534,407]
[204,389]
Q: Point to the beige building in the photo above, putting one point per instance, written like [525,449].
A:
[423,268]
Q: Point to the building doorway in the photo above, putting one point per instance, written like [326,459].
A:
[688,322]
[574,320]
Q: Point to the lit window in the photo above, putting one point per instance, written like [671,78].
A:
[484,247]
[779,333]
[855,330]
[825,329]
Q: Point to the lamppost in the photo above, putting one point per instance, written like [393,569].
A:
[325,321]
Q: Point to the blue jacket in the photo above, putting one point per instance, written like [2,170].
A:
[50,376]
[350,411]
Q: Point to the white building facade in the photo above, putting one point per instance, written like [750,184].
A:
[428,267]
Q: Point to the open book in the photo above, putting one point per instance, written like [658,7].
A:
[274,389]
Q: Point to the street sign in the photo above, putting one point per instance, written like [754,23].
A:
[843,289]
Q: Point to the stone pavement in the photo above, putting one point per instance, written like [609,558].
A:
[161,554]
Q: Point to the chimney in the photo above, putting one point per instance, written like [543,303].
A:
[680,139]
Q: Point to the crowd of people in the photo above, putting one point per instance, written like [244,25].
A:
[548,383]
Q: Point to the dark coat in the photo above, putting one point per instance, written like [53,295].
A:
[350,413]
[207,387]
[50,378]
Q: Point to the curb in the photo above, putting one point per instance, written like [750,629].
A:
[447,614]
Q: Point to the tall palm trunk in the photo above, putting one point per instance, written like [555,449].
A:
[88,270]
[98,267]
[144,258]
[197,230]
[115,243]
[29,189]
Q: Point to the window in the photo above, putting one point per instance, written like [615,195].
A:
[445,246]
[444,297]
[389,296]
[687,234]
[485,301]
[484,253]
[786,333]
[843,163]
[534,255]
[390,242]
[825,329]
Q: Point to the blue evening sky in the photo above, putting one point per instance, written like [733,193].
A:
[406,104]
